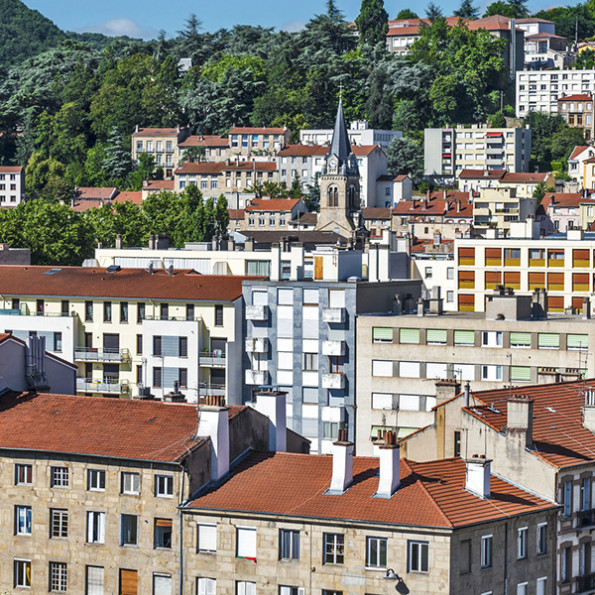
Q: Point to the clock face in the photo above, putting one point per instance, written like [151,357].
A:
[332,164]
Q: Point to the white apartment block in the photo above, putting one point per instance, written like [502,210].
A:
[12,186]
[539,91]
[448,151]
[359,134]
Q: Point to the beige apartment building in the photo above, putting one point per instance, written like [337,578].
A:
[162,144]
[290,524]
[498,208]
[401,357]
[261,140]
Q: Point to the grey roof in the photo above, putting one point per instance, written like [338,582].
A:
[340,145]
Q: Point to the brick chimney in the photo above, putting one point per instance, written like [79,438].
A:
[390,466]
[342,464]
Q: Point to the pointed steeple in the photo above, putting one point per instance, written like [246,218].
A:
[340,145]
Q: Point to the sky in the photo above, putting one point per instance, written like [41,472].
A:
[145,18]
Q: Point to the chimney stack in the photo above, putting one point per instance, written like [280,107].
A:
[447,389]
[342,464]
[520,419]
[589,409]
[272,403]
[390,466]
[213,422]
[477,476]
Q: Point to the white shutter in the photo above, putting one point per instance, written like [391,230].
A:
[94,580]
[161,584]
[285,296]
[206,586]
[90,527]
[284,360]
[259,297]
[101,532]
[207,538]
[382,368]
[409,369]
[434,370]
[337,298]
[246,542]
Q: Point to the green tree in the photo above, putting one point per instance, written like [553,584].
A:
[221,216]
[116,163]
[433,12]
[511,8]
[143,171]
[467,10]
[585,60]
[405,156]
[444,95]
[406,13]
[312,198]
[372,22]
[497,120]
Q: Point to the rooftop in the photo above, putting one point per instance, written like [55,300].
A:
[208,140]
[577,151]
[158,132]
[273,204]
[95,193]
[261,130]
[473,174]
[432,494]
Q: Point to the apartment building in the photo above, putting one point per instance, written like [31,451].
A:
[359,132]
[162,144]
[272,213]
[92,487]
[132,331]
[499,208]
[562,264]
[577,111]
[319,524]
[12,185]
[538,91]
[245,141]
[211,147]
[300,336]
[400,358]
[449,151]
[576,163]
[541,439]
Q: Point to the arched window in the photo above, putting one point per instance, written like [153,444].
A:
[333,196]
[352,198]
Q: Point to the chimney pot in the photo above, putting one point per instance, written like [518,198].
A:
[477,476]
[390,466]
[342,464]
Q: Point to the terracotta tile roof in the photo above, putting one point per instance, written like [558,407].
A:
[577,151]
[135,197]
[363,150]
[158,132]
[273,204]
[247,130]
[95,193]
[400,178]
[399,27]
[496,22]
[307,219]
[577,97]
[436,205]
[376,213]
[157,185]
[126,283]
[206,167]
[474,174]
[145,430]
[431,493]
[208,140]
[534,20]
[524,177]
[251,166]
[303,150]
[87,205]
[544,36]
[236,213]
[11,169]
[558,433]
[563,199]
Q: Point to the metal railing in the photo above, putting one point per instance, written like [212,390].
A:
[97,354]
[107,386]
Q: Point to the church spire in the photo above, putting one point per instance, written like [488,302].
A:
[340,145]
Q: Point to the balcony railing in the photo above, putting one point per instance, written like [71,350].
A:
[585,518]
[105,386]
[585,583]
[257,313]
[93,354]
[216,358]
[333,315]
[257,377]
[215,390]
[333,381]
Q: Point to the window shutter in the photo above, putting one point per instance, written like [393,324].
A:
[409,369]
[523,339]
[551,340]
[170,375]
[409,336]
[382,368]
[162,584]
[382,334]
[577,341]
[90,527]
[207,538]
[435,335]
[170,346]
[246,542]
[520,373]
[464,337]
[94,580]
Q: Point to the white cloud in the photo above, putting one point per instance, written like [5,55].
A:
[293,26]
[123,26]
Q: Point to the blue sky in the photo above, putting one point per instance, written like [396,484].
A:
[144,18]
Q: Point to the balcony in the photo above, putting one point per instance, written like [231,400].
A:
[333,381]
[112,386]
[257,313]
[490,160]
[334,315]
[215,390]
[257,345]
[585,518]
[333,348]
[93,354]
[585,583]
[213,359]
[257,377]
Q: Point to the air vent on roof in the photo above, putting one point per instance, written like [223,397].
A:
[114,268]
[52,271]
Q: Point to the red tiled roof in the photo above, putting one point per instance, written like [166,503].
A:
[95,193]
[87,205]
[11,169]
[577,151]
[473,174]
[563,199]
[307,218]
[399,27]
[120,428]
[156,185]
[135,197]
[208,140]
[436,205]
[431,494]
[158,132]
[363,150]
[247,130]
[496,22]
[558,434]
[236,213]
[273,204]
[303,150]
[400,178]
[205,167]
[534,20]
[524,177]
[5,336]
[251,166]
[577,97]
[544,36]
[376,213]
[126,283]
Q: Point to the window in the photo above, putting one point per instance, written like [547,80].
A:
[95,580]
[334,551]
[40,307]
[57,341]
[205,586]
[541,539]
[376,552]
[382,334]
[245,588]
[96,480]
[450,273]
[164,312]
[436,336]
[140,312]
[22,520]
[246,543]
[310,361]
[22,573]
[465,556]
[541,586]
[157,341]
[218,315]
[128,529]
[521,543]
[585,494]
[464,337]
[59,477]
[189,311]
[123,311]
[491,338]
[486,551]
[457,443]
[206,538]
[157,377]
[289,544]
[567,498]
[163,530]
[58,522]
[520,339]
[139,344]
[183,346]
[417,556]
[107,311]
[330,430]
[566,564]
[164,486]
[130,483]
[23,474]
[521,589]
[409,336]
[95,527]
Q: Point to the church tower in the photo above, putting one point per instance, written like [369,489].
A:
[339,183]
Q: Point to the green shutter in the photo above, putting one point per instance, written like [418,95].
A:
[551,340]
[464,337]
[523,339]
[381,333]
[436,335]
[409,336]
[521,373]
[577,342]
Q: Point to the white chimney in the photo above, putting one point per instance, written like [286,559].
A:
[390,467]
[477,478]
[213,422]
[342,464]
[273,405]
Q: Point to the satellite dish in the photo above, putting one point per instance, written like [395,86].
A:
[170,269]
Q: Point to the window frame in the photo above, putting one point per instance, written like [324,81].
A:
[541,546]
[380,542]
[200,527]
[333,551]
[60,477]
[27,519]
[25,564]
[28,469]
[97,474]
[415,560]
[58,577]
[132,528]
[159,533]
[289,543]
[521,543]
[169,486]
[123,487]
[95,526]
[486,552]
[58,523]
